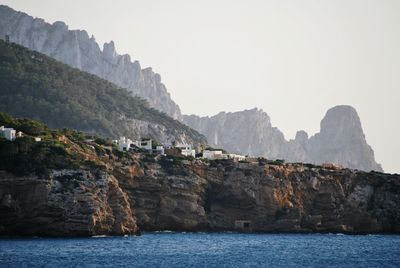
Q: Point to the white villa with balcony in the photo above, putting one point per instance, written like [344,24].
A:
[210,154]
[8,133]
[186,149]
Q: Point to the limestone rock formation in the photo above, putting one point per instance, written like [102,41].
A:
[77,49]
[66,203]
[340,141]
[88,187]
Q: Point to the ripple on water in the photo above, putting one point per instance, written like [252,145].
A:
[166,249]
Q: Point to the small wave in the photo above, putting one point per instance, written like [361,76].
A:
[99,236]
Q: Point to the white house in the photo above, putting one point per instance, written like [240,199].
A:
[186,149]
[188,152]
[8,133]
[212,154]
[236,157]
[159,149]
[145,144]
[124,144]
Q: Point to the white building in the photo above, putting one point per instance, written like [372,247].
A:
[186,149]
[124,144]
[212,154]
[159,149]
[188,152]
[236,157]
[8,133]
[145,144]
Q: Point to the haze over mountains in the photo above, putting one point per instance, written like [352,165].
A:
[341,139]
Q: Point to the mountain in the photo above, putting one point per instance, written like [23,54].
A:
[66,185]
[77,49]
[248,132]
[36,86]
[341,139]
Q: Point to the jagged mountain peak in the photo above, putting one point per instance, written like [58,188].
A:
[340,121]
[341,139]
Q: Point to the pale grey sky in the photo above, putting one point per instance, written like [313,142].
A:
[293,59]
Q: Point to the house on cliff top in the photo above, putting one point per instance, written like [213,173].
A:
[7,133]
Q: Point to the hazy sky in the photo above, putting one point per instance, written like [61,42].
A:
[293,59]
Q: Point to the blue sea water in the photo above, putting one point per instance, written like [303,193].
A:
[204,250]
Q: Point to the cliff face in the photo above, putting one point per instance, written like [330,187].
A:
[77,49]
[66,203]
[161,193]
[341,139]
[270,198]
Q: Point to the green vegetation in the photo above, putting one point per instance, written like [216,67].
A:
[35,86]
[278,162]
[26,156]
[173,165]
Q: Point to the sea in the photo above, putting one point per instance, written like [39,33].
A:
[169,249]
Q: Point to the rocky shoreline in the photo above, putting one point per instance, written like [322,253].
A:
[140,192]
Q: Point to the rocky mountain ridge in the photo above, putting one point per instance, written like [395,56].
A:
[246,132]
[77,49]
[341,139]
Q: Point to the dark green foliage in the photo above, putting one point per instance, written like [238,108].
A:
[102,141]
[221,162]
[25,156]
[173,165]
[35,86]
[278,162]
[30,127]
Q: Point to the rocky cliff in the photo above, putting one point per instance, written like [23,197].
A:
[341,139]
[77,49]
[160,194]
[110,192]
[64,203]
[263,197]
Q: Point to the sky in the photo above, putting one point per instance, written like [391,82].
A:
[293,59]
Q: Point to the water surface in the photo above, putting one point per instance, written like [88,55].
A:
[204,250]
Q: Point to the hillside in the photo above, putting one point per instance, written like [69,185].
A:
[36,86]
[77,49]
[94,189]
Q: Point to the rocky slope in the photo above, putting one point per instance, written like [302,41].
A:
[341,139]
[77,49]
[110,192]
